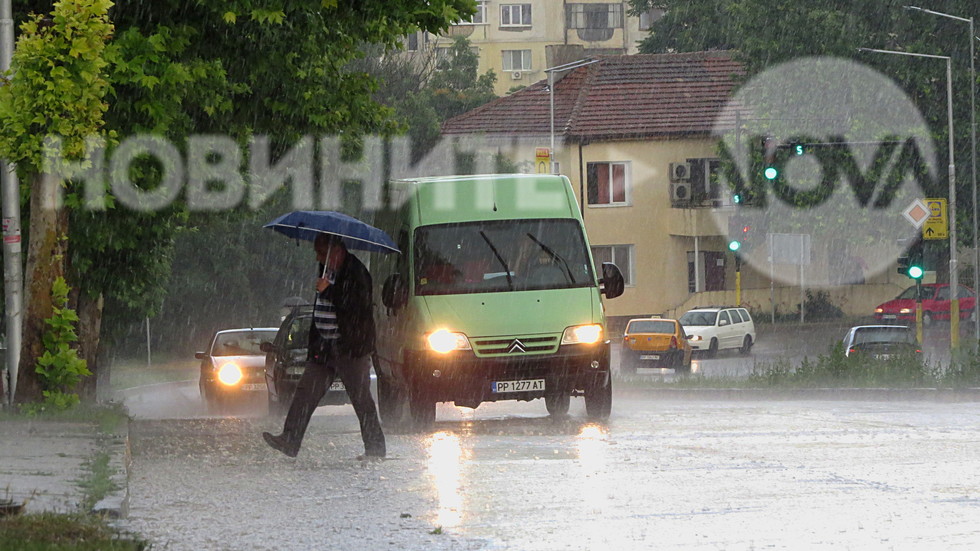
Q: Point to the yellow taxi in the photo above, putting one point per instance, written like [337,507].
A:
[655,342]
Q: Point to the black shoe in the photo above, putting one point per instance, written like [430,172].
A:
[279,443]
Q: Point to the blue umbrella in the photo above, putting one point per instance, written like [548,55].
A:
[356,235]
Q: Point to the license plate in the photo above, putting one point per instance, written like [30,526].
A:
[650,357]
[889,316]
[337,385]
[530,385]
[254,386]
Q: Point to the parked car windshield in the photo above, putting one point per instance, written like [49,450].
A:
[241,343]
[506,255]
[882,334]
[699,318]
[650,326]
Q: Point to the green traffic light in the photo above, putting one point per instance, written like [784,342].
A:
[771,173]
[915,272]
[734,245]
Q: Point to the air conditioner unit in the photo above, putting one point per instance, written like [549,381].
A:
[680,192]
[516,75]
[680,172]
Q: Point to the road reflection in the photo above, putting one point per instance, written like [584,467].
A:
[445,466]
[592,445]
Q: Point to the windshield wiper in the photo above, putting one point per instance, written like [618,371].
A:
[510,281]
[553,254]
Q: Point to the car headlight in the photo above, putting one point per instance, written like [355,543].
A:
[444,341]
[582,334]
[905,311]
[230,374]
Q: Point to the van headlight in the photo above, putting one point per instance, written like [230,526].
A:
[582,334]
[444,341]
[230,374]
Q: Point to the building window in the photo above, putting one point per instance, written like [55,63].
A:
[594,16]
[480,17]
[649,17]
[620,255]
[517,60]
[608,183]
[515,15]
[416,41]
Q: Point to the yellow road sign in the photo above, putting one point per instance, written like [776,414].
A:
[937,225]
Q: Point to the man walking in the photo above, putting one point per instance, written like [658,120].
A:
[340,344]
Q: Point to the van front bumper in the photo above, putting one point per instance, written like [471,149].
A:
[468,380]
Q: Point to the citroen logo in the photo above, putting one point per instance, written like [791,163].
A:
[516,347]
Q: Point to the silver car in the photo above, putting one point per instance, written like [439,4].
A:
[881,342]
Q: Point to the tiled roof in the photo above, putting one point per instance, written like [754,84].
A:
[622,97]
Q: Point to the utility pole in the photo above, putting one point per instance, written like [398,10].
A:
[13,274]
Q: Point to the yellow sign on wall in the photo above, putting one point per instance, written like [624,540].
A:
[542,160]
[937,225]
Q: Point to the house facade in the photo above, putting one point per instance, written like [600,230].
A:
[513,38]
[633,133]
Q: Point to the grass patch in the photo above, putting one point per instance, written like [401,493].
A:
[98,483]
[57,532]
[133,373]
[108,417]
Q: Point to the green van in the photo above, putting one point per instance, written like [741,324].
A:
[494,297]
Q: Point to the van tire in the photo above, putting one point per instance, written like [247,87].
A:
[278,408]
[713,348]
[422,409]
[391,402]
[557,403]
[746,348]
[598,398]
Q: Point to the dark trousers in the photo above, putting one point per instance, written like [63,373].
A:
[316,379]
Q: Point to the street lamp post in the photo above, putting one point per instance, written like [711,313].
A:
[973,156]
[13,276]
[550,71]
[954,300]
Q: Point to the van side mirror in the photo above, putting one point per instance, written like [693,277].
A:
[394,294]
[722,323]
[612,283]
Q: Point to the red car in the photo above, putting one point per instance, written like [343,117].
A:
[935,304]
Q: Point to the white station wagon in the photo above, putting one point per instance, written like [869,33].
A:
[719,328]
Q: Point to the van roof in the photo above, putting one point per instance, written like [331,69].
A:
[454,199]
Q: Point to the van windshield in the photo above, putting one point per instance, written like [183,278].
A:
[502,255]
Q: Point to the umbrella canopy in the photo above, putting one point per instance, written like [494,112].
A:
[356,235]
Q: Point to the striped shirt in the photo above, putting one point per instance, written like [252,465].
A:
[325,314]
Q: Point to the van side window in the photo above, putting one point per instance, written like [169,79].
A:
[736,316]
[745,314]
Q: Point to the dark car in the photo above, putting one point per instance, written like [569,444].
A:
[881,342]
[233,366]
[285,362]
[935,304]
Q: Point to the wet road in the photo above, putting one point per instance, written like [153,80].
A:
[659,475]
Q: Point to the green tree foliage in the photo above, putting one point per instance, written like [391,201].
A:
[59,368]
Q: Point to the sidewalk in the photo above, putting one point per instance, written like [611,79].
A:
[43,464]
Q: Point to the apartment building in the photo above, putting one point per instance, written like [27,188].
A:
[513,37]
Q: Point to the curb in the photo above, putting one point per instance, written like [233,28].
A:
[865,394]
[115,505]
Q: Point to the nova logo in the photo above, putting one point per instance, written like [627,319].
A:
[820,157]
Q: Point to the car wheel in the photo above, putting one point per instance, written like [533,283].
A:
[422,408]
[391,402]
[278,408]
[557,403]
[598,397]
[746,345]
[713,348]
[215,405]
[680,366]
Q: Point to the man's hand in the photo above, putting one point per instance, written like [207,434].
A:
[322,284]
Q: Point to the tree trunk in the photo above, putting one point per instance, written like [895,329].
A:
[89,312]
[46,252]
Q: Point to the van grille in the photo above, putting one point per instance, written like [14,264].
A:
[515,346]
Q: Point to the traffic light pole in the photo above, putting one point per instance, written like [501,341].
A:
[918,311]
[738,280]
